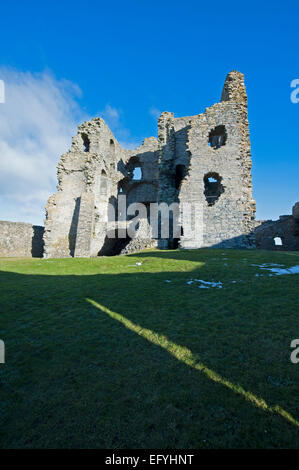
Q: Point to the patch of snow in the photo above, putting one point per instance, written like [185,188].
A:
[266,265]
[278,271]
[206,284]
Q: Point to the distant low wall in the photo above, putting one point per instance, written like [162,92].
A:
[18,239]
[286,228]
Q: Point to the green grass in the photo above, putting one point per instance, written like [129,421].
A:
[104,353]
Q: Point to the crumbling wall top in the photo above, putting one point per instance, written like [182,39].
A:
[234,88]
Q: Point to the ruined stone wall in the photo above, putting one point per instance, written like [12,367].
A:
[190,151]
[90,176]
[142,240]
[286,228]
[146,158]
[187,144]
[203,159]
[90,166]
[18,239]
[167,192]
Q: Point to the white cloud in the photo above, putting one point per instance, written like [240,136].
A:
[37,121]
[155,112]
[110,115]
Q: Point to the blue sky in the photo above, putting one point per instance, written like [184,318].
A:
[129,60]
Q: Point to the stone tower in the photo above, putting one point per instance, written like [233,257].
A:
[206,159]
[203,159]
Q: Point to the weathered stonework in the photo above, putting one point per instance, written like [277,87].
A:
[286,228]
[96,168]
[227,222]
[203,159]
[18,239]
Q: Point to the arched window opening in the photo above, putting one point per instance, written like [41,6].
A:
[217,137]
[213,188]
[137,173]
[180,171]
[277,241]
[86,142]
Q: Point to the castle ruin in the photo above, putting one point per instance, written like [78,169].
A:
[202,159]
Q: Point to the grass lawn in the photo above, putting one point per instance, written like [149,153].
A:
[106,353]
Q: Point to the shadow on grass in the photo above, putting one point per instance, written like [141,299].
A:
[129,361]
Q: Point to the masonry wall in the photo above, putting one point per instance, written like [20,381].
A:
[229,221]
[286,228]
[96,169]
[18,239]
[204,160]
[88,167]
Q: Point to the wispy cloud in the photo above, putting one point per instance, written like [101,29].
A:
[154,112]
[111,115]
[37,121]
[114,118]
